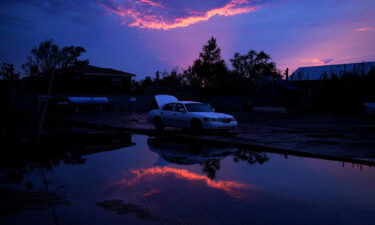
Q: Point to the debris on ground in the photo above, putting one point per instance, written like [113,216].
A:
[120,208]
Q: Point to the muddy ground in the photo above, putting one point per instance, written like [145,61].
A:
[342,136]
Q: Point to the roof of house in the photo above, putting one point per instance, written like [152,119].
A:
[94,70]
[318,72]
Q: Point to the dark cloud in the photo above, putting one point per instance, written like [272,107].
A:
[58,6]
[78,11]
[326,61]
[8,20]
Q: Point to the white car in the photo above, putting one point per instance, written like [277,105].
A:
[188,114]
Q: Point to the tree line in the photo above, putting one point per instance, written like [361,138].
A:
[210,74]
[44,60]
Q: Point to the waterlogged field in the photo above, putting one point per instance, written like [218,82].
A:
[153,181]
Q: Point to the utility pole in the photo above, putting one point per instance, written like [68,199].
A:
[157,81]
[45,106]
[363,68]
[287,74]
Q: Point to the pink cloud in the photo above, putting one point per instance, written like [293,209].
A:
[154,177]
[317,61]
[170,15]
[364,29]
[152,3]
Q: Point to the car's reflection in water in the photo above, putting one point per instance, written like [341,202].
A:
[209,156]
[175,168]
[187,153]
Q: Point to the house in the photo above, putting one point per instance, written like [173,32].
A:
[79,88]
[82,80]
[330,71]
[329,93]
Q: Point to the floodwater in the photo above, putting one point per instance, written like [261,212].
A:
[153,181]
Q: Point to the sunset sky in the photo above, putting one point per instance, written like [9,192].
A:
[142,36]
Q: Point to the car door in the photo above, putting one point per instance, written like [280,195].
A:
[180,118]
[167,114]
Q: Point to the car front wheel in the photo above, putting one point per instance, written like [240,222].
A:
[196,127]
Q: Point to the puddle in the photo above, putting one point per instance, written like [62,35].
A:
[146,180]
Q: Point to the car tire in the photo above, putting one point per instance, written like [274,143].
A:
[158,124]
[196,127]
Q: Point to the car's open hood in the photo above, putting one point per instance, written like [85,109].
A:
[161,100]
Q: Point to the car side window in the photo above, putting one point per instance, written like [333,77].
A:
[169,107]
[178,107]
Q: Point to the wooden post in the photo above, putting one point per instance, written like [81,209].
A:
[287,74]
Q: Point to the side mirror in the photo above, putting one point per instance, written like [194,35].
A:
[181,110]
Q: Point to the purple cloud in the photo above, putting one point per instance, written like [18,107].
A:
[166,15]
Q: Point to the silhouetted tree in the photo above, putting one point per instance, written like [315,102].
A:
[147,82]
[7,72]
[172,78]
[250,156]
[208,69]
[161,80]
[48,57]
[70,55]
[138,87]
[210,167]
[254,65]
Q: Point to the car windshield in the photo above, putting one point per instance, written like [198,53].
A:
[198,107]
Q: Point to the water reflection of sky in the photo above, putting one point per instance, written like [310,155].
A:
[295,190]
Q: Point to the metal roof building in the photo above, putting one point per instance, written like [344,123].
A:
[326,72]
